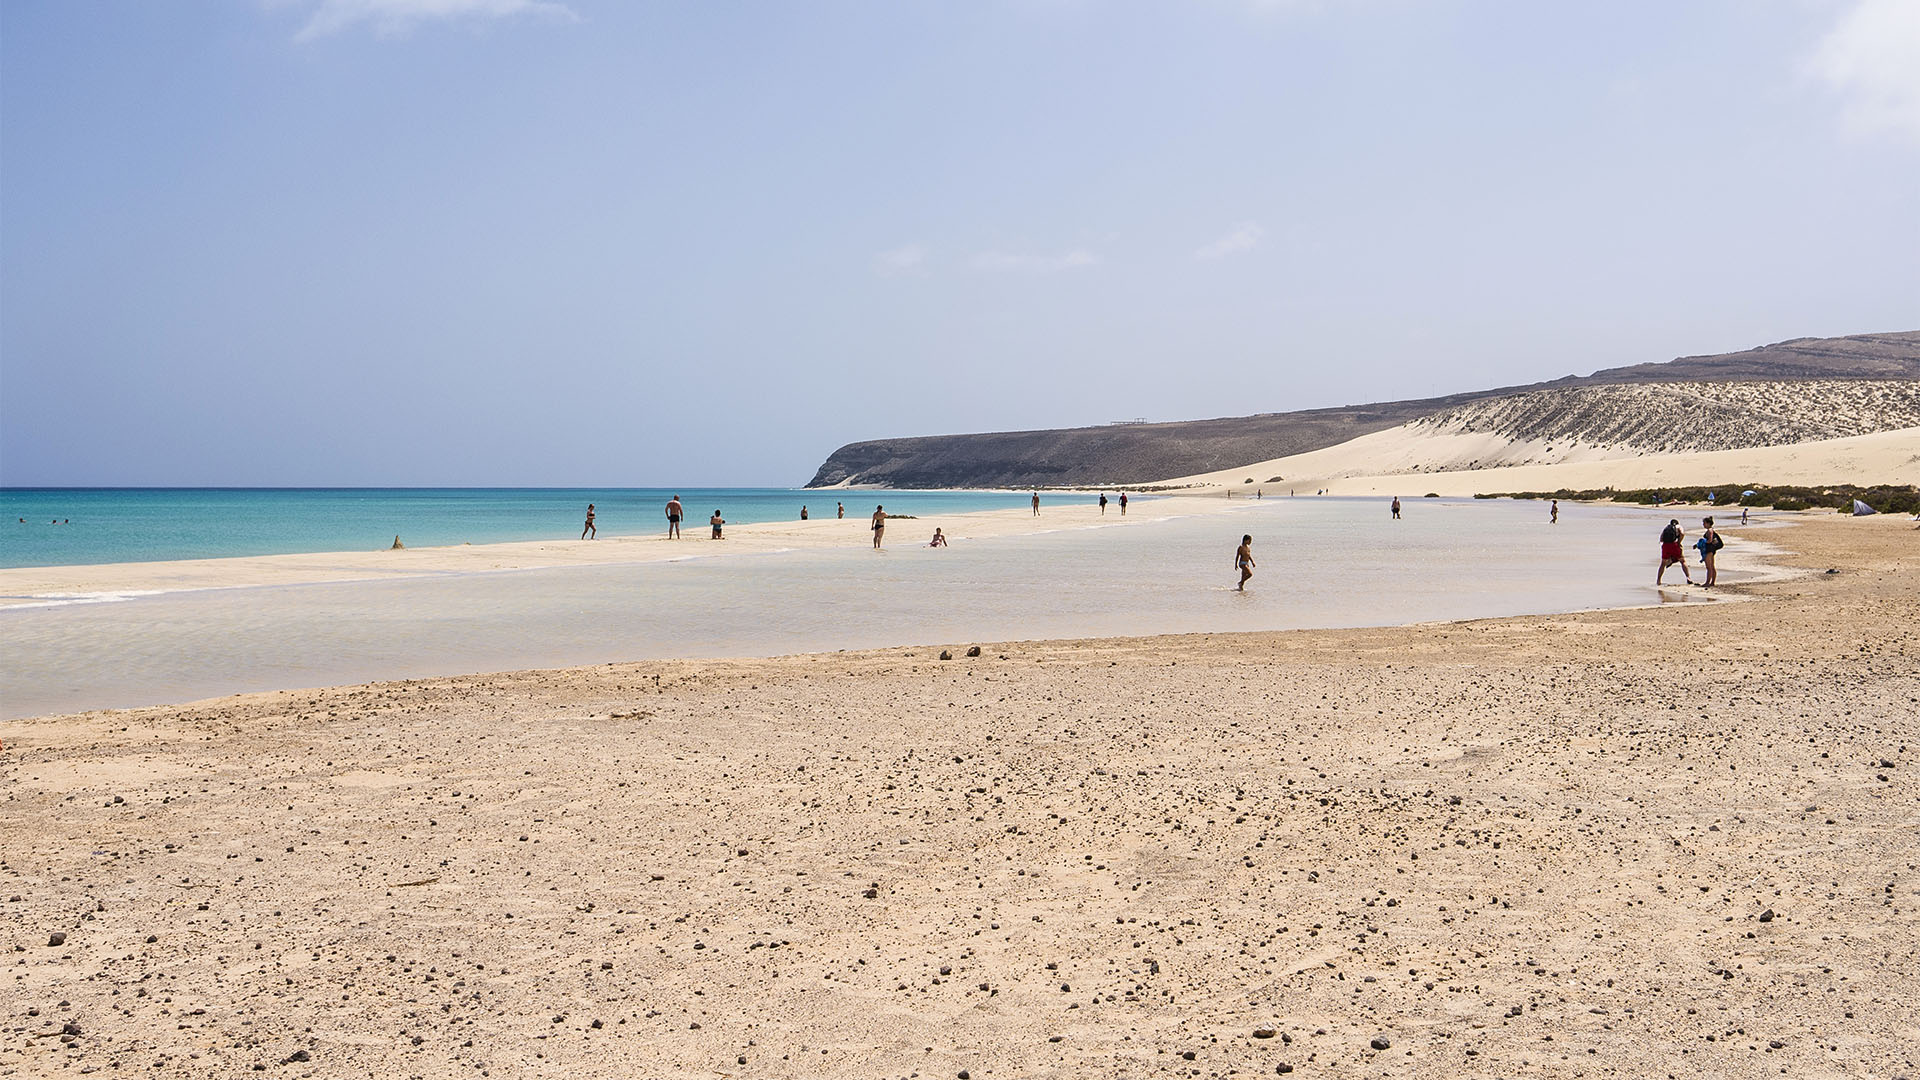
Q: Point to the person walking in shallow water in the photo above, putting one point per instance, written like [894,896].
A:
[879,525]
[1553,515]
[1243,561]
[1671,552]
[1709,545]
[674,513]
[589,531]
[839,510]
[1396,508]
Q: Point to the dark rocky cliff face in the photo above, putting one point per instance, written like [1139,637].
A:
[1125,455]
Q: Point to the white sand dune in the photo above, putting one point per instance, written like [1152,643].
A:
[1415,459]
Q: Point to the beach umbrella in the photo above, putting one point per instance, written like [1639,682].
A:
[1861,509]
[1749,491]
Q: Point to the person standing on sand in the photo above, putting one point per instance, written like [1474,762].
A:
[1036,504]
[1743,515]
[803,513]
[879,525]
[1709,545]
[1671,552]
[589,530]
[674,511]
[716,521]
[1103,504]
[1553,515]
[1123,504]
[1396,508]
[1243,561]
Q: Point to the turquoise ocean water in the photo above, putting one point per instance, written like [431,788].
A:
[74,526]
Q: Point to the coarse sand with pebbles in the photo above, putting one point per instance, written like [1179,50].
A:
[1669,841]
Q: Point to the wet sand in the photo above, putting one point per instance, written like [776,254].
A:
[1675,840]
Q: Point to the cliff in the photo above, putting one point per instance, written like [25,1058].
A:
[1132,454]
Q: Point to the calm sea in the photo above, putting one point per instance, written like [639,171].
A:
[1322,563]
[70,526]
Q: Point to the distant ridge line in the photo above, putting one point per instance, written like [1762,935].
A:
[1127,453]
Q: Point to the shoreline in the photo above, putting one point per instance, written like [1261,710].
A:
[27,585]
[1523,846]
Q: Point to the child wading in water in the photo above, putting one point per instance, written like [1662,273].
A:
[1243,561]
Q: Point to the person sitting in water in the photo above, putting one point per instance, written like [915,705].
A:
[716,521]
[939,538]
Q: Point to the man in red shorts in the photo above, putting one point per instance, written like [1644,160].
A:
[1671,552]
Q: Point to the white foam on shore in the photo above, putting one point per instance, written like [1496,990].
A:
[48,600]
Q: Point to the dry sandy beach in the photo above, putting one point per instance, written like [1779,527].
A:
[1670,841]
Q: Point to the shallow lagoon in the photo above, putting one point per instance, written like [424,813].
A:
[1323,562]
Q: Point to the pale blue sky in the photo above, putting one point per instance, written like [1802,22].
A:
[489,242]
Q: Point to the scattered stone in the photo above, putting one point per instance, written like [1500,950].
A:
[70,1028]
[1187,1054]
[1283,1067]
[1263,1033]
[946,654]
[56,940]
[975,651]
[1380,1043]
[1767,915]
[298,1055]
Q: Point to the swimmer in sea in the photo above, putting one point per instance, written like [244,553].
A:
[1243,561]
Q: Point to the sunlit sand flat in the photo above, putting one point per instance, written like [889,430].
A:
[1648,841]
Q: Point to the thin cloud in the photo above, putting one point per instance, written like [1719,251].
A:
[390,18]
[1242,237]
[909,259]
[1871,59]
[1002,262]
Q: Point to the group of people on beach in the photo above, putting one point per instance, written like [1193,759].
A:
[1671,551]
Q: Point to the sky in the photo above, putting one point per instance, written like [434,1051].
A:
[638,243]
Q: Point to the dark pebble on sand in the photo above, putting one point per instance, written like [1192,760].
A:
[1283,1068]
[151,938]
[299,1055]
[945,655]
[1767,915]
[975,651]
[56,940]
[1263,1033]
[1187,1054]
[70,1028]
[1380,1043]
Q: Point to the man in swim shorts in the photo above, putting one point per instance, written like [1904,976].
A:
[1671,552]
[673,518]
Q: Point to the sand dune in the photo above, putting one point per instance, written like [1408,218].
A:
[1510,444]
